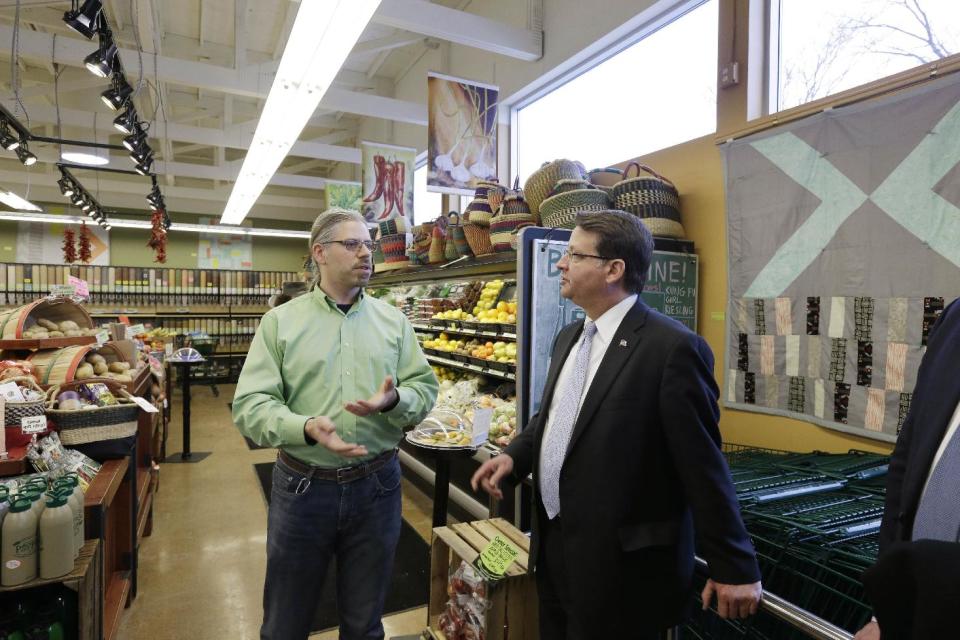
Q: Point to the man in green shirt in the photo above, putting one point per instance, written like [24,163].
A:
[331,380]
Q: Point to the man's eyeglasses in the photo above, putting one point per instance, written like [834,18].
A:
[573,256]
[354,245]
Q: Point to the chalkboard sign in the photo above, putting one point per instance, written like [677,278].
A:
[671,288]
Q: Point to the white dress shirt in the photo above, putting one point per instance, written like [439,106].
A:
[607,326]
[951,430]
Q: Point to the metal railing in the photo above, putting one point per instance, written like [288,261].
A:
[797,617]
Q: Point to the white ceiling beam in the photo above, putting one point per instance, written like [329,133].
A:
[202,18]
[394,41]
[45,89]
[236,137]
[460,27]
[335,137]
[71,51]
[306,165]
[239,34]
[190,148]
[289,16]
[147,23]
[348,78]
[377,63]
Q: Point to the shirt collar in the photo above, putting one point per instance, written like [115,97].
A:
[609,322]
[329,303]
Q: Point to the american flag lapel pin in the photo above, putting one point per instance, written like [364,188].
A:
[623,343]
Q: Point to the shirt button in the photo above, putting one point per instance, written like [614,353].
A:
[346,344]
[348,373]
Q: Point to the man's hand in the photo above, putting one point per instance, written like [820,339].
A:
[733,600]
[870,631]
[376,403]
[490,473]
[324,431]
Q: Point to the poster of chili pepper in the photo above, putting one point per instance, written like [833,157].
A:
[387,181]
[461,134]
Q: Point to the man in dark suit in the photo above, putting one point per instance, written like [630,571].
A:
[625,456]
[913,586]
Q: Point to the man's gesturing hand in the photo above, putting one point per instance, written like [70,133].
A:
[376,403]
[733,600]
[324,431]
[490,473]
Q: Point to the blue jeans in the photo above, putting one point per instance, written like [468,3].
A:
[359,522]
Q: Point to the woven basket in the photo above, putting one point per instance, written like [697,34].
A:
[57,366]
[478,211]
[606,177]
[478,237]
[15,321]
[393,226]
[438,242]
[538,186]
[652,198]
[569,184]
[394,248]
[504,229]
[14,412]
[561,210]
[422,239]
[459,238]
[94,425]
[493,193]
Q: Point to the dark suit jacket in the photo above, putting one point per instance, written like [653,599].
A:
[935,398]
[643,465]
[913,587]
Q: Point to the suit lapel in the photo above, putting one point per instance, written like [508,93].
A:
[624,342]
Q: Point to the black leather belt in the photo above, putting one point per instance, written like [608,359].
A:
[341,475]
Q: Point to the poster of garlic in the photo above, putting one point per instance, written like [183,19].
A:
[461,134]
[387,181]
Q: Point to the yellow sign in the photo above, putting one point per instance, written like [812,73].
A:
[497,557]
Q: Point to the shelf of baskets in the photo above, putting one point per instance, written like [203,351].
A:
[475,365]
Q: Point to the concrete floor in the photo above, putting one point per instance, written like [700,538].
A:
[201,572]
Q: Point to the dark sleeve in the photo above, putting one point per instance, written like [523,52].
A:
[521,449]
[893,502]
[690,415]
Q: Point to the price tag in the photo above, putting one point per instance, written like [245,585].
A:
[481,425]
[33,424]
[135,330]
[103,337]
[146,406]
[83,289]
[497,557]
[63,290]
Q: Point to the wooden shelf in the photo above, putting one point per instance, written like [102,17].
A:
[16,462]
[105,484]
[495,263]
[86,557]
[144,500]
[47,343]
[114,603]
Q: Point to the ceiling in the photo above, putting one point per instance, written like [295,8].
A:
[201,70]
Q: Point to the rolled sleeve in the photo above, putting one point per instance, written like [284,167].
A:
[417,386]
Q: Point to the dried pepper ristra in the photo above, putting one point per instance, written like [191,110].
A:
[69,246]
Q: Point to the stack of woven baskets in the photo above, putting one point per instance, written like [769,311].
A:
[393,243]
[513,214]
[652,198]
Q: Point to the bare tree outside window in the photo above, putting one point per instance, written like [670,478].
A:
[827,46]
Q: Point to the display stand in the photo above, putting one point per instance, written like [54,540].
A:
[441,483]
[184,373]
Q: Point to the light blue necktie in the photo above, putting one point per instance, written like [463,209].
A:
[938,514]
[554,448]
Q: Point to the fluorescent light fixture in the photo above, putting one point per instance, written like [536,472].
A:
[94,157]
[146,224]
[322,37]
[14,201]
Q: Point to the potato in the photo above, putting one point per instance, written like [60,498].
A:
[95,358]
[119,367]
[100,368]
[48,324]
[72,333]
[57,334]
[84,371]
[67,325]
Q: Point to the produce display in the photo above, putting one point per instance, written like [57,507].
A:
[45,329]
[498,351]
[95,365]
[464,617]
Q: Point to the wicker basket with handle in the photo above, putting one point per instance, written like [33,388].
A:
[14,412]
[652,198]
[478,238]
[94,425]
[15,321]
[561,210]
[538,186]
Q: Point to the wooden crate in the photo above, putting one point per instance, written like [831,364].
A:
[85,580]
[513,612]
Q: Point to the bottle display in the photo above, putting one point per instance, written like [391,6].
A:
[19,544]
[56,537]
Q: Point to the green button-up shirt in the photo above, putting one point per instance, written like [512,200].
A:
[309,359]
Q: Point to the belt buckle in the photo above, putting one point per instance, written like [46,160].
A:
[342,474]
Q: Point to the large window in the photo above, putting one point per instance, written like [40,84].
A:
[657,93]
[821,47]
[426,204]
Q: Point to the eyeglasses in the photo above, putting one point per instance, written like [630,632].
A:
[573,256]
[354,245]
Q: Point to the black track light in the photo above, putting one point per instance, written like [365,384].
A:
[143,168]
[93,213]
[126,122]
[106,226]
[88,206]
[77,198]
[24,155]
[142,153]
[135,140]
[116,96]
[7,140]
[85,20]
[101,62]
[66,187]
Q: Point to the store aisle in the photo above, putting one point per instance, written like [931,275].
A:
[201,572]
